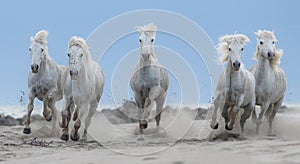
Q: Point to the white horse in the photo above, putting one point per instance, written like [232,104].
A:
[149,80]
[44,79]
[83,87]
[270,78]
[236,85]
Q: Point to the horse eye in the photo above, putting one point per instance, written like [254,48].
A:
[81,55]
[68,54]
[30,49]
[229,49]
[152,40]
[42,50]
[140,40]
[261,42]
[242,49]
[273,42]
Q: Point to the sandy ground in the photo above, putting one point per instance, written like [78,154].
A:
[180,140]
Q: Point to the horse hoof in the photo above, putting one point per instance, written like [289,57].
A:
[48,118]
[143,126]
[26,131]
[64,137]
[75,138]
[215,127]
[227,127]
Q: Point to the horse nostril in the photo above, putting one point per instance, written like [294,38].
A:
[34,67]
[271,54]
[236,64]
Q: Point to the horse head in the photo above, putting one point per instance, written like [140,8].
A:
[266,43]
[38,50]
[78,55]
[146,38]
[231,48]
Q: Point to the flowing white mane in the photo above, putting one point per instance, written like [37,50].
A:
[149,28]
[225,41]
[278,52]
[78,41]
[41,37]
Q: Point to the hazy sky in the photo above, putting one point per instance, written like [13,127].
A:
[63,19]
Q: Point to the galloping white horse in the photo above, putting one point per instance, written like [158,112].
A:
[236,85]
[270,78]
[149,80]
[83,87]
[44,79]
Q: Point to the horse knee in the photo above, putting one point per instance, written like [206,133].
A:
[77,125]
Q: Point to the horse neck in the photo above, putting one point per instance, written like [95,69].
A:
[263,69]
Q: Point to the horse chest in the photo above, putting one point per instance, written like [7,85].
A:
[235,90]
[147,77]
[41,86]
[233,95]
[40,90]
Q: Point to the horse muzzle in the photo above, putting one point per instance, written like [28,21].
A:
[34,68]
[236,65]
[146,56]
[271,55]
[74,74]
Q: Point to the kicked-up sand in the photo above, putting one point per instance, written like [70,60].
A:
[180,140]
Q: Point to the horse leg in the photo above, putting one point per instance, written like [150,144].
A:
[247,113]
[159,106]
[46,111]
[232,114]
[149,102]
[234,110]
[30,106]
[254,117]
[65,119]
[92,110]
[263,109]
[80,108]
[215,107]
[224,113]
[140,103]
[51,105]
[276,107]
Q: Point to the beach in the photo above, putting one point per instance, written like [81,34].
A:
[180,140]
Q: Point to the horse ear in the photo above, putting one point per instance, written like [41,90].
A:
[244,39]
[257,34]
[139,29]
[225,38]
[31,39]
